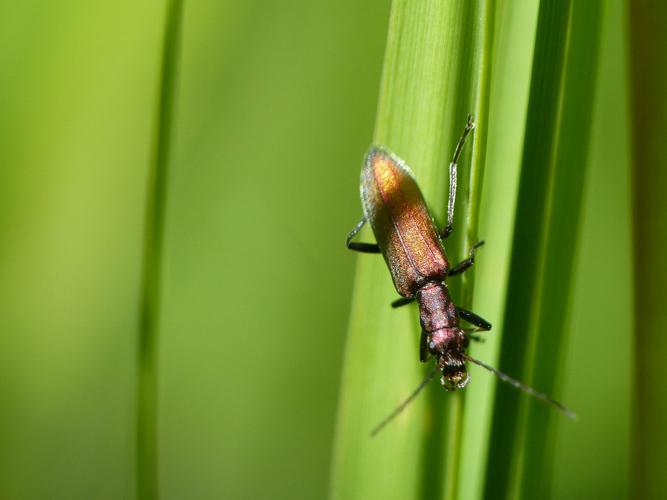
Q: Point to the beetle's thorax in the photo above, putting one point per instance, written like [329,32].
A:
[436,309]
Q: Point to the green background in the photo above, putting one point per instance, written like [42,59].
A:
[274,110]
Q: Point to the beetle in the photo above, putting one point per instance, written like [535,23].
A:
[412,246]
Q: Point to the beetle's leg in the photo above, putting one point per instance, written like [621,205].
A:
[476,338]
[424,353]
[360,247]
[402,302]
[473,319]
[465,264]
[470,335]
[452,178]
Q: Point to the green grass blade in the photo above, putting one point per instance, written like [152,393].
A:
[648,30]
[537,153]
[562,228]
[147,395]
[436,63]
[549,203]
[515,33]
[455,443]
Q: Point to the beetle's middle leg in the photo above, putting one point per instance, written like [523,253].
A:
[447,230]
[465,264]
[360,247]
[403,301]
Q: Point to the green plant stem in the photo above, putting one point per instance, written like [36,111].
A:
[147,396]
[648,39]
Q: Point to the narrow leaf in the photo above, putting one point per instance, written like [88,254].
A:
[549,203]
[435,74]
[147,393]
[648,39]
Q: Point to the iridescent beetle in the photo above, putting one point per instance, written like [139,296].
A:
[412,246]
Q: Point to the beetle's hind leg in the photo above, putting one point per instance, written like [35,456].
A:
[360,247]
[447,230]
[465,264]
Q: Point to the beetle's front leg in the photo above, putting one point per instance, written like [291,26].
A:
[473,319]
[424,353]
[474,337]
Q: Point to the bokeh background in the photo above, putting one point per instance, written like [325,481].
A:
[274,110]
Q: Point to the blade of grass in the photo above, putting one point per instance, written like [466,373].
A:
[553,166]
[562,228]
[481,57]
[431,81]
[512,54]
[531,209]
[648,39]
[147,388]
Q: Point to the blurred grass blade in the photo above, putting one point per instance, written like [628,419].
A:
[648,39]
[562,230]
[531,209]
[546,227]
[147,411]
[435,73]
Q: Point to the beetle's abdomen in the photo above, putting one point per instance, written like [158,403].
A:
[403,227]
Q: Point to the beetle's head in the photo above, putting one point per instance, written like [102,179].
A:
[454,373]
[448,345]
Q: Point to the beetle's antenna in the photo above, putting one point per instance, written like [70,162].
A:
[523,387]
[405,403]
